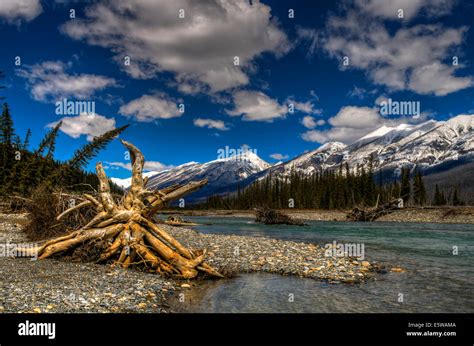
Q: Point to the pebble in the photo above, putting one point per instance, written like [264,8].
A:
[397,270]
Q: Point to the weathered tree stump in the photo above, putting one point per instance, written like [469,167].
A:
[132,236]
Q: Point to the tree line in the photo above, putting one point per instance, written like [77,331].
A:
[341,188]
[23,169]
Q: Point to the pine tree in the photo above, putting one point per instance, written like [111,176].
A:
[419,191]
[26,142]
[456,200]
[439,198]
[7,135]
[49,138]
[405,188]
[83,155]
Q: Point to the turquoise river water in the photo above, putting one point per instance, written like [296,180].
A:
[436,280]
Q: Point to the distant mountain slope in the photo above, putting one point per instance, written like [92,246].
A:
[220,174]
[426,145]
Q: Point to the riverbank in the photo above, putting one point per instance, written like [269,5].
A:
[54,285]
[428,214]
[51,286]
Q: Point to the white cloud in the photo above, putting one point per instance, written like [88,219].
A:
[150,107]
[352,123]
[440,75]
[380,99]
[408,58]
[89,124]
[307,107]
[17,10]
[199,48]
[256,106]
[211,124]
[310,122]
[149,165]
[279,157]
[360,93]
[388,9]
[49,81]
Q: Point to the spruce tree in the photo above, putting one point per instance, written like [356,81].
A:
[405,188]
[7,135]
[439,198]
[26,142]
[419,191]
[456,200]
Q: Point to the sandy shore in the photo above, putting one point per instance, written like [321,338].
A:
[429,215]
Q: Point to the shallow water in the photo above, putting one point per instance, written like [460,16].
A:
[436,280]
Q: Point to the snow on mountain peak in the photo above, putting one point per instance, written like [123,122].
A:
[126,182]
[247,156]
[462,120]
[333,146]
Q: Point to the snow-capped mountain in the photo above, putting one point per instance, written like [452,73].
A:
[435,147]
[428,146]
[222,174]
[125,182]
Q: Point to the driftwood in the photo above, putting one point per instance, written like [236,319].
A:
[371,214]
[274,217]
[128,228]
[174,220]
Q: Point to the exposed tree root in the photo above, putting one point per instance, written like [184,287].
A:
[127,227]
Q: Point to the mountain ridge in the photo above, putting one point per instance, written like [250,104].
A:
[429,146]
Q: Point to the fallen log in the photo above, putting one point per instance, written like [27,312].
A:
[371,214]
[274,217]
[174,220]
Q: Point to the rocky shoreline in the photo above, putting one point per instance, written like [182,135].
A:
[60,286]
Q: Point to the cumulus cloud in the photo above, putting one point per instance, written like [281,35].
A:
[89,124]
[408,58]
[279,157]
[199,48]
[151,107]
[352,123]
[149,165]
[256,106]
[210,124]
[50,81]
[15,11]
[310,122]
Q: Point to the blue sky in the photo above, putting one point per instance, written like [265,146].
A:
[284,62]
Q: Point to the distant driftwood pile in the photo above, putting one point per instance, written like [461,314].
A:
[274,217]
[371,214]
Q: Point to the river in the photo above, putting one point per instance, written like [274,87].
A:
[436,279]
